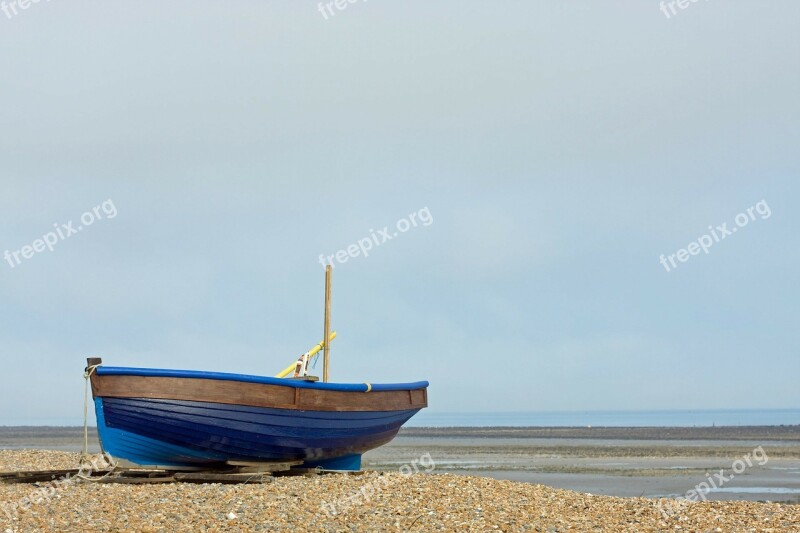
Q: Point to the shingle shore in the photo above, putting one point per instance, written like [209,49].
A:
[372,502]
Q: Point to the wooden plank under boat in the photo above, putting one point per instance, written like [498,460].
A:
[189,418]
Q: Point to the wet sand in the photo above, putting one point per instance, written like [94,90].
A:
[649,462]
[370,502]
[68,439]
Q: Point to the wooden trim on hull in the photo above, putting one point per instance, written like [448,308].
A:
[254,394]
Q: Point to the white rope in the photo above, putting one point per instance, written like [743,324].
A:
[112,465]
[86,375]
[84,459]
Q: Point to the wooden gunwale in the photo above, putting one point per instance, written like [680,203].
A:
[254,394]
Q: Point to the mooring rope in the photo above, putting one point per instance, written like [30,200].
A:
[84,459]
[86,375]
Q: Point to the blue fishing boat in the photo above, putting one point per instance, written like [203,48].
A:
[178,418]
[185,418]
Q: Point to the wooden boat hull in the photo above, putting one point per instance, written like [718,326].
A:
[186,418]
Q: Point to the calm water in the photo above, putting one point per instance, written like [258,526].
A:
[682,418]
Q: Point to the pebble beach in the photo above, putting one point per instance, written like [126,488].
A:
[374,501]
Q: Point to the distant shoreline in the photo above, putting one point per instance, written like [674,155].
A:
[782,432]
[20,435]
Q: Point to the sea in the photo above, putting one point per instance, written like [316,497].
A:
[671,418]
[665,418]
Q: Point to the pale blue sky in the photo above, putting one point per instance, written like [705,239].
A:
[560,148]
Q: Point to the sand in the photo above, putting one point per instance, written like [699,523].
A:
[371,502]
[654,464]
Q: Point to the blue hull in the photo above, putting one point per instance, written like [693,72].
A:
[188,433]
[190,418]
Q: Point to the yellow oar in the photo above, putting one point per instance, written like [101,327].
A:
[313,351]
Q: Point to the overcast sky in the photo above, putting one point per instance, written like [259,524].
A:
[560,148]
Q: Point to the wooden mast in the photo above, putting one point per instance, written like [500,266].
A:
[327,335]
